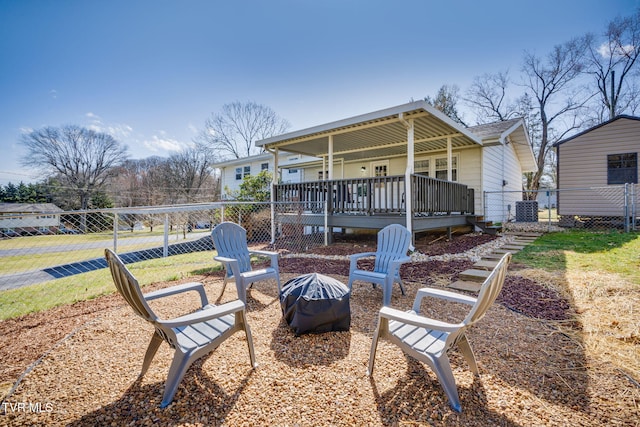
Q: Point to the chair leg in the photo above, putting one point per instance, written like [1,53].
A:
[387,288]
[179,366]
[252,354]
[374,347]
[442,369]
[241,288]
[278,282]
[156,340]
[401,287]
[467,352]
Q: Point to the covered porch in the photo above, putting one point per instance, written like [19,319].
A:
[383,145]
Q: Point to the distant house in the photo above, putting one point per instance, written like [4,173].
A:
[232,172]
[29,218]
[595,165]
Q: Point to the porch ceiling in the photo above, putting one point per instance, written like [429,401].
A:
[379,134]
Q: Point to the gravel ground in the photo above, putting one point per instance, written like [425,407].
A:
[530,373]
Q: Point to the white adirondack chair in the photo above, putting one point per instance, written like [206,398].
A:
[391,253]
[230,241]
[192,335]
[429,340]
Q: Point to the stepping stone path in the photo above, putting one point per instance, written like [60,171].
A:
[472,279]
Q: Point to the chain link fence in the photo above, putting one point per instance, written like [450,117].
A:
[593,208]
[69,246]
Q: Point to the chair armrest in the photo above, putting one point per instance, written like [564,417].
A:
[230,264]
[173,290]
[272,255]
[353,259]
[208,313]
[361,255]
[411,318]
[441,294]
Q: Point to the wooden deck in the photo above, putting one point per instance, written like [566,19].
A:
[373,203]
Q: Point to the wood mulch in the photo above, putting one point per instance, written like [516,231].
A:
[79,364]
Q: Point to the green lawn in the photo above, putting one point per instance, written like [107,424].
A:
[610,252]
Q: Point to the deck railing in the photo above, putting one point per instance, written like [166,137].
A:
[378,195]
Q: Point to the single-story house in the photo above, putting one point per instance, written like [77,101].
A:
[29,218]
[594,166]
[407,164]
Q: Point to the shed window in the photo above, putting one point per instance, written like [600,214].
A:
[264,166]
[622,168]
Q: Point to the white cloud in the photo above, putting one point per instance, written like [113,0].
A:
[119,131]
[605,50]
[163,143]
[53,93]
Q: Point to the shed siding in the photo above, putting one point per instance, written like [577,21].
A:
[582,167]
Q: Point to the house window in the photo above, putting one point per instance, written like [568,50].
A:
[242,172]
[441,168]
[622,168]
[380,170]
[421,166]
[322,175]
[264,166]
[293,170]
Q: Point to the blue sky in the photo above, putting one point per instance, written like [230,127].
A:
[150,72]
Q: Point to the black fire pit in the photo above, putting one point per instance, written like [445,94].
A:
[315,303]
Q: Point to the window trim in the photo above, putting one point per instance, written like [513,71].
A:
[618,175]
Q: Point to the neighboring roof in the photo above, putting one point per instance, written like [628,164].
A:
[29,208]
[622,116]
[509,131]
[378,134]
[493,130]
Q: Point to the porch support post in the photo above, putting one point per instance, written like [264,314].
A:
[327,233]
[274,181]
[408,190]
[330,159]
[449,159]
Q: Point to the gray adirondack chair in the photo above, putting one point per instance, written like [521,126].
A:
[391,253]
[192,336]
[230,241]
[429,340]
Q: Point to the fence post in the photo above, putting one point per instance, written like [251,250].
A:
[633,207]
[165,246]
[548,210]
[484,205]
[115,232]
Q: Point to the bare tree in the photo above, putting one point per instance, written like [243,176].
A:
[613,62]
[189,174]
[234,131]
[82,159]
[487,96]
[446,100]
[552,83]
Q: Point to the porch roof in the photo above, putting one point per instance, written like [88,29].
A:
[381,133]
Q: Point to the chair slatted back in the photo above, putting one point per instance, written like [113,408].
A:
[230,240]
[489,291]
[393,243]
[128,286]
